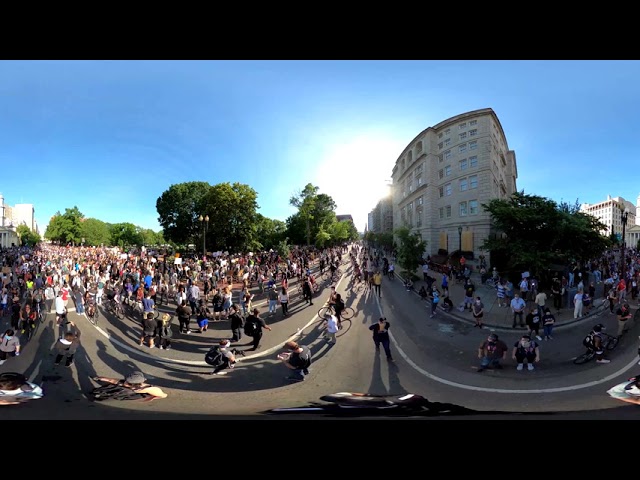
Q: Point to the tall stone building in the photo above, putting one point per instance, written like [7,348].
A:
[446,173]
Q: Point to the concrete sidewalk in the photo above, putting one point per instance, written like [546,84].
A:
[502,317]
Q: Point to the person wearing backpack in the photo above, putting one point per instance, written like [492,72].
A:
[253,326]
[164,332]
[220,357]
[67,345]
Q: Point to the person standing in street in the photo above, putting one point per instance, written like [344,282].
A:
[381,336]
[623,315]
[517,307]
[377,282]
[9,345]
[477,309]
[331,328]
[253,327]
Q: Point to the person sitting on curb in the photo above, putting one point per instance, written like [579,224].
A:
[490,352]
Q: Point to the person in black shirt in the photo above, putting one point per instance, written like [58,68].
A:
[298,359]
[381,336]
[237,323]
[255,324]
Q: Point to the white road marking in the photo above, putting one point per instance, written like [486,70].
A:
[202,363]
[503,390]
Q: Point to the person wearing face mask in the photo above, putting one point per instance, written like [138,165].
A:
[9,345]
[490,352]
[526,349]
[477,309]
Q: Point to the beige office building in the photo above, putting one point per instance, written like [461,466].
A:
[610,211]
[446,173]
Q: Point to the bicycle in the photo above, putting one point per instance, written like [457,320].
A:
[609,343]
[93,315]
[346,314]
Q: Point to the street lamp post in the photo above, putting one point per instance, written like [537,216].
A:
[205,225]
[460,239]
[624,217]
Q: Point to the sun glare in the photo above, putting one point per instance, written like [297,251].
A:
[357,174]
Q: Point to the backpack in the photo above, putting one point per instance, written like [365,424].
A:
[214,356]
[250,328]
[115,392]
[588,341]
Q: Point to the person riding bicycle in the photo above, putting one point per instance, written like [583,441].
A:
[594,342]
[391,270]
[90,302]
[27,319]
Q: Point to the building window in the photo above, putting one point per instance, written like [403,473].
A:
[418,168]
[420,200]
[419,216]
[447,170]
[473,133]
[462,148]
[463,164]
[463,135]
[441,213]
[403,164]
[419,147]
[447,189]
[418,179]
[463,209]
[440,146]
[473,181]
[447,155]
[463,184]
[448,211]
[473,145]
[440,135]
[441,173]
[473,207]
[447,142]
[473,123]
[473,162]
[447,131]
[462,126]
[441,190]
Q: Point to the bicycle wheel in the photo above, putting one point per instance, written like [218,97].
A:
[612,343]
[119,312]
[347,313]
[324,311]
[584,358]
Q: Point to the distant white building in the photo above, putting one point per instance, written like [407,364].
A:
[23,213]
[8,235]
[610,213]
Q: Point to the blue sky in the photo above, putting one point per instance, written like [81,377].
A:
[111,136]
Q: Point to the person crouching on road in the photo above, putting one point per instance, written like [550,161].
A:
[296,358]
[67,345]
[227,359]
[490,352]
[526,349]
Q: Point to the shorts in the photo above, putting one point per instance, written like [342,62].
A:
[203,323]
[4,355]
[217,308]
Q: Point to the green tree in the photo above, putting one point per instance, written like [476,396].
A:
[125,234]
[322,237]
[410,250]
[27,237]
[268,232]
[283,248]
[95,232]
[65,228]
[179,208]
[305,202]
[534,232]
[232,216]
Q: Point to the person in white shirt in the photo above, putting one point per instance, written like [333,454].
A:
[61,310]
[331,323]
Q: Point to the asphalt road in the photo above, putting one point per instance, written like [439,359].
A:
[435,358]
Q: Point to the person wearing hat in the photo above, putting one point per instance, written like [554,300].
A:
[253,326]
[136,382]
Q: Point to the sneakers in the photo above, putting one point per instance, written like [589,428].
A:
[530,366]
[538,337]
[604,360]
[520,366]
[218,373]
